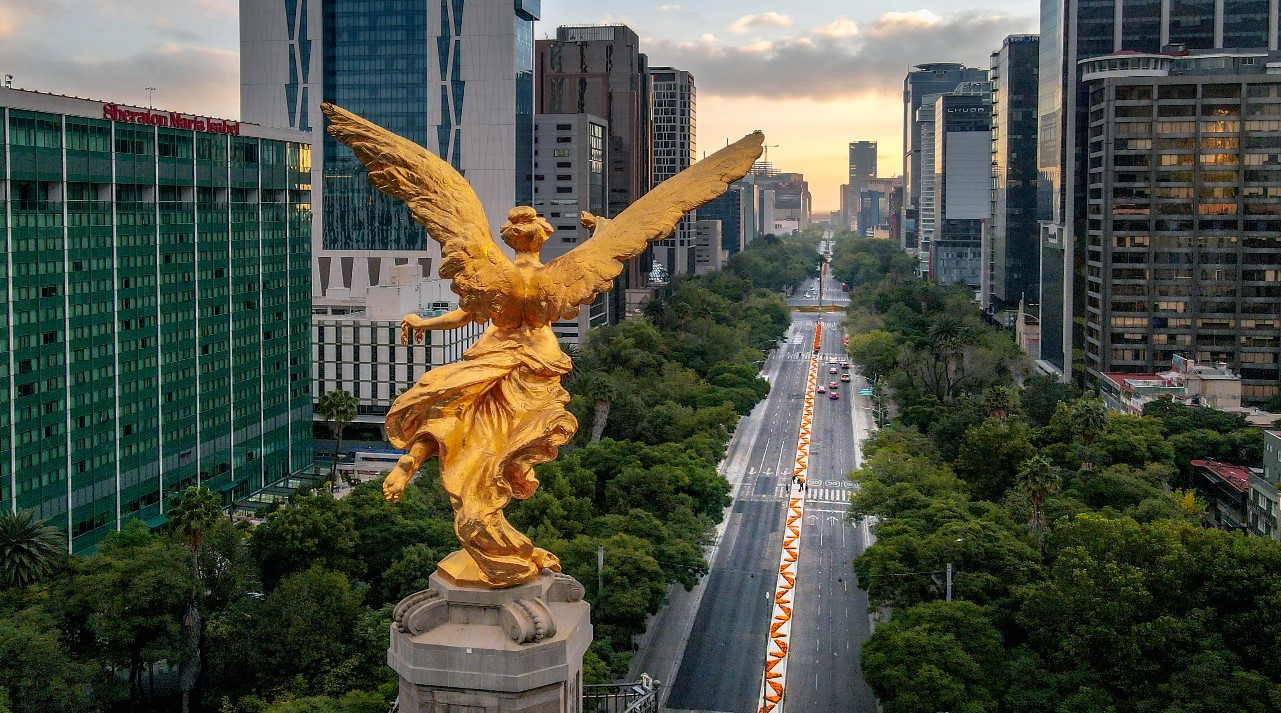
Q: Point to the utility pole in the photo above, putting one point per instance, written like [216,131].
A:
[949,581]
[600,572]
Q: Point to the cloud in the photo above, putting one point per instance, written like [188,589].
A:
[669,8]
[187,78]
[838,60]
[205,9]
[14,14]
[892,23]
[839,28]
[165,28]
[766,19]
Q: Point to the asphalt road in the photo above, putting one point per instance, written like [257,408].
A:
[724,658]
[830,623]
[724,652]
[832,295]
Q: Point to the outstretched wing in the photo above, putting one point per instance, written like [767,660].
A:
[576,277]
[440,200]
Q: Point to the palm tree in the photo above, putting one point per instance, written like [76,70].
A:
[947,337]
[1037,478]
[191,515]
[599,389]
[1001,402]
[338,407]
[29,550]
[1090,417]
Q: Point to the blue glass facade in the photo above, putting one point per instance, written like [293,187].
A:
[378,62]
[526,13]
[728,209]
[375,65]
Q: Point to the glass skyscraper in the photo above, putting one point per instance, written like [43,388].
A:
[1012,249]
[157,277]
[454,76]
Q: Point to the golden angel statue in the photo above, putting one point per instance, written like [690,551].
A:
[493,416]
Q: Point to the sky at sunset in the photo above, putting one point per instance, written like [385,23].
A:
[812,74]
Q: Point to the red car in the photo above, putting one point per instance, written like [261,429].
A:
[834,395]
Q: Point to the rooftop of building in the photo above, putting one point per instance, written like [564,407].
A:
[940,67]
[1175,60]
[1235,476]
[53,102]
[1133,382]
[1256,417]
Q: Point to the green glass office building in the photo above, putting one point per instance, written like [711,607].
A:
[157,314]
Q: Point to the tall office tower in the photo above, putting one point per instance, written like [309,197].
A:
[962,185]
[1074,32]
[924,207]
[929,209]
[456,78]
[736,211]
[786,198]
[862,163]
[924,80]
[895,207]
[674,127]
[158,289]
[1012,242]
[600,70]
[849,206]
[571,176]
[1183,214]
[873,206]
[710,253]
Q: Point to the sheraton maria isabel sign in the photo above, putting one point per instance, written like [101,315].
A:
[170,119]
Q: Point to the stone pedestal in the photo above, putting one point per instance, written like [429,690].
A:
[467,650]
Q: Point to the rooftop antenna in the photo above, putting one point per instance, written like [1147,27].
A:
[149,91]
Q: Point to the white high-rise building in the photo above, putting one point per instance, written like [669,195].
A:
[457,78]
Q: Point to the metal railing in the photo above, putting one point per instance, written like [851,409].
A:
[638,697]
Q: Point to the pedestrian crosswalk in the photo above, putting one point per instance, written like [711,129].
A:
[829,495]
[820,492]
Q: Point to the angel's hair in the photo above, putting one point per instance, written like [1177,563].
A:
[524,231]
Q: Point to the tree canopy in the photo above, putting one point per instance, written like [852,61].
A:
[1084,576]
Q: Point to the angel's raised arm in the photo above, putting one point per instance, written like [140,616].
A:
[578,276]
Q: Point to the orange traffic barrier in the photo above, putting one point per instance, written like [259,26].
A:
[774,682]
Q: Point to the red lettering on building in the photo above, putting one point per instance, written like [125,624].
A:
[113,112]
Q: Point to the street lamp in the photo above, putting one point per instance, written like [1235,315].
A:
[949,574]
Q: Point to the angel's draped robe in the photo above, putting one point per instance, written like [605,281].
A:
[491,418]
